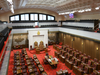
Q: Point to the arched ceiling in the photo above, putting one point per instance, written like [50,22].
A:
[58,6]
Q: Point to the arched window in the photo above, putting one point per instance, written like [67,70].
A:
[31,17]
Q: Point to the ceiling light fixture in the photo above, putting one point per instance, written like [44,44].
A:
[97,8]
[80,11]
[67,12]
[11,5]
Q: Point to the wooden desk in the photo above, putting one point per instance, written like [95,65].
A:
[44,73]
[30,67]
[19,72]
[17,64]
[37,51]
[80,72]
[31,71]
[29,63]
[59,72]
[34,56]
[18,67]
[17,61]
[53,63]
[17,53]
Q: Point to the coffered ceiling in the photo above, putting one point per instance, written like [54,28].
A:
[58,6]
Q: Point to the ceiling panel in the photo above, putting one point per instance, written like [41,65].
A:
[53,5]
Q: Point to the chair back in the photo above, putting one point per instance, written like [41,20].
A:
[41,42]
[35,44]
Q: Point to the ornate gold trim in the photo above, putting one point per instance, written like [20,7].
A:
[38,33]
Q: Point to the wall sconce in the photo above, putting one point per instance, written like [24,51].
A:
[64,37]
[97,48]
[82,43]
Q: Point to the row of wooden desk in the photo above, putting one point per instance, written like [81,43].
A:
[74,59]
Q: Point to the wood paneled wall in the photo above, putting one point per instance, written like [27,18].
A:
[61,37]
[89,47]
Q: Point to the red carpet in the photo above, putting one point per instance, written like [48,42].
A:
[47,67]
[3,48]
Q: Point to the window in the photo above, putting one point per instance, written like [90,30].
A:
[17,17]
[50,18]
[12,18]
[42,17]
[25,17]
[22,17]
[33,16]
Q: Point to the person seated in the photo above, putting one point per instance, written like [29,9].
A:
[56,59]
[49,60]
[47,55]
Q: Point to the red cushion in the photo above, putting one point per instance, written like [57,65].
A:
[60,43]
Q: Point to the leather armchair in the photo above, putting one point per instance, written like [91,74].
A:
[35,44]
[86,70]
[41,46]
[95,59]
[85,60]
[95,72]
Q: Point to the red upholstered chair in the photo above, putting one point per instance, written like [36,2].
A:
[23,64]
[24,70]
[84,54]
[45,61]
[80,52]
[30,47]
[95,72]
[82,66]
[25,73]
[81,56]
[66,55]
[86,70]
[33,66]
[60,43]
[94,66]
[89,57]
[77,62]
[35,69]
[73,59]
[89,63]
[14,71]
[99,62]
[95,59]
[23,67]
[36,73]
[76,55]
[85,60]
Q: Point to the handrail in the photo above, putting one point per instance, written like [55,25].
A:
[4,50]
[5,64]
